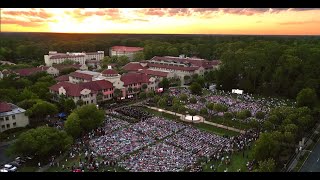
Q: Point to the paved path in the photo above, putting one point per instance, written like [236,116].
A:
[46,167]
[225,127]
[206,122]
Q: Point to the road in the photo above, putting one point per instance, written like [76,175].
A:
[313,162]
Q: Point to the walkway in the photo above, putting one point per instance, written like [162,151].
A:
[225,127]
[204,121]
[46,167]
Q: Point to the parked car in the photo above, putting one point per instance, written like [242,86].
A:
[13,169]
[4,170]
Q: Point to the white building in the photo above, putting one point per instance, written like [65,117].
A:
[124,51]
[57,58]
[12,116]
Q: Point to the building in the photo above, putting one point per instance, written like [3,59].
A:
[132,81]
[176,67]
[88,92]
[124,51]
[57,58]
[61,67]
[12,116]
[157,74]
[134,66]
[30,71]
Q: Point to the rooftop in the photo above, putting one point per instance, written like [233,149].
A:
[126,48]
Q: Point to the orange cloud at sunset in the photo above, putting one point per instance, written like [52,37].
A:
[292,21]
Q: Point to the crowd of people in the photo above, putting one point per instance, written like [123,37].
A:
[235,103]
[133,112]
[160,158]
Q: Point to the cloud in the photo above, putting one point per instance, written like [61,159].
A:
[298,22]
[38,13]
[21,23]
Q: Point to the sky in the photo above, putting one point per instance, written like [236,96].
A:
[260,21]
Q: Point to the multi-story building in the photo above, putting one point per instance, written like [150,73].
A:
[12,116]
[30,71]
[88,92]
[124,51]
[57,58]
[180,67]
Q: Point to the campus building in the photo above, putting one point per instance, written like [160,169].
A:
[173,67]
[12,116]
[124,51]
[57,58]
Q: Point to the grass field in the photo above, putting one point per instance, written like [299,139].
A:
[216,130]
[238,161]
[229,122]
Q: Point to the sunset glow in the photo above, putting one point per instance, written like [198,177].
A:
[299,21]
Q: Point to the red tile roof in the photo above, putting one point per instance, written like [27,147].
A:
[154,73]
[65,66]
[30,71]
[109,71]
[97,85]
[62,78]
[71,89]
[5,107]
[194,61]
[131,78]
[126,49]
[75,89]
[65,56]
[133,66]
[192,68]
[81,75]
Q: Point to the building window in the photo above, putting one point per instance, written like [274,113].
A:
[91,101]
[13,116]
[3,126]
[8,125]
[14,124]
[7,118]
[1,119]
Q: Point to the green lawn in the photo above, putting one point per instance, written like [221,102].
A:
[27,169]
[237,162]
[216,130]
[229,122]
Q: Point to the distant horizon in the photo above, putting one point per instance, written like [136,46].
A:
[165,34]
[202,21]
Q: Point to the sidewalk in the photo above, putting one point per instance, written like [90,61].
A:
[206,122]
[46,167]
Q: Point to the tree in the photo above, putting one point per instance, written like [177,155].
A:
[136,90]
[41,142]
[183,97]
[122,60]
[266,147]
[268,165]
[67,70]
[195,88]
[150,94]
[28,103]
[165,83]
[307,97]
[220,107]
[143,95]
[68,62]
[204,111]
[144,87]
[162,103]
[116,93]
[42,109]
[99,97]
[69,105]
[260,115]
[138,56]
[193,100]
[80,102]
[72,125]
[90,116]
[186,79]
[228,115]
[27,94]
